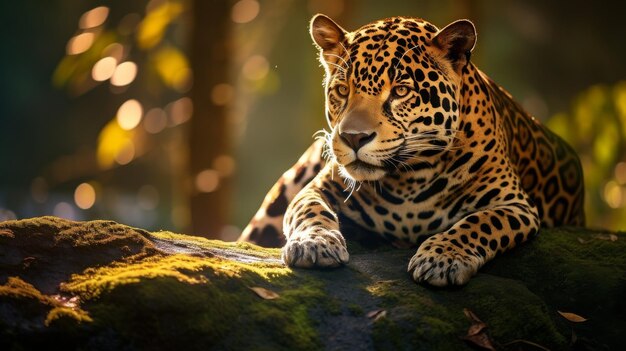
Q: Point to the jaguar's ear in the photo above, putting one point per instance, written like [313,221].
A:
[326,33]
[457,41]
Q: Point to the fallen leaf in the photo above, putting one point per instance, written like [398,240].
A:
[477,325]
[66,301]
[7,233]
[265,293]
[477,333]
[581,240]
[606,237]
[376,314]
[28,261]
[572,317]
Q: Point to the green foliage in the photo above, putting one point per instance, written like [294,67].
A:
[596,128]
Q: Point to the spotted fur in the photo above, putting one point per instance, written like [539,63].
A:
[422,144]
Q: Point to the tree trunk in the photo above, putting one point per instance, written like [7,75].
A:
[208,129]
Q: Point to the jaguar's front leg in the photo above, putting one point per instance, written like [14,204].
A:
[454,256]
[312,228]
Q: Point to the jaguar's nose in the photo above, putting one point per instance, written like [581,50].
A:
[357,140]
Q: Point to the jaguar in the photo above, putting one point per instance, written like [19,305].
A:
[422,148]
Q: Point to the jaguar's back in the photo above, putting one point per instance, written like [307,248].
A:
[549,168]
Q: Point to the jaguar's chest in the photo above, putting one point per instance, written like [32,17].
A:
[404,210]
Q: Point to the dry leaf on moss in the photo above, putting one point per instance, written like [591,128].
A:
[66,301]
[265,293]
[606,237]
[572,317]
[477,334]
[377,314]
[28,261]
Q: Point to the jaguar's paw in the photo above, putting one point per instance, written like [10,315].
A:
[316,248]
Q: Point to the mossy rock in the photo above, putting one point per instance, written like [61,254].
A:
[104,286]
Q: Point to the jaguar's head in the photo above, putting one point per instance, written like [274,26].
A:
[392,91]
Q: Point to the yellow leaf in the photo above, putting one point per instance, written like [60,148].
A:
[572,317]
[605,144]
[153,26]
[172,66]
[113,142]
[264,293]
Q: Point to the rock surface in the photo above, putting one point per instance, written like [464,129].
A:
[104,286]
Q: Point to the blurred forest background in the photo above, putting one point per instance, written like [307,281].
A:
[181,114]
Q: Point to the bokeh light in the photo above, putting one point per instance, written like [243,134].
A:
[613,194]
[126,153]
[115,145]
[129,114]
[255,68]
[7,215]
[155,120]
[245,11]
[103,69]
[64,210]
[173,68]
[180,111]
[85,196]
[207,181]
[124,74]
[230,233]
[224,165]
[159,15]
[94,17]
[80,43]
[222,94]
[115,50]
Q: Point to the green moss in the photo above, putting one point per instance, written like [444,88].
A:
[510,310]
[39,307]
[386,335]
[573,270]
[209,298]
[414,314]
[430,325]
[333,307]
[219,247]
[185,269]
[78,234]
[435,317]
[175,298]
[164,290]
[59,313]
[355,310]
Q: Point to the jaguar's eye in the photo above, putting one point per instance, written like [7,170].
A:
[342,90]
[400,91]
